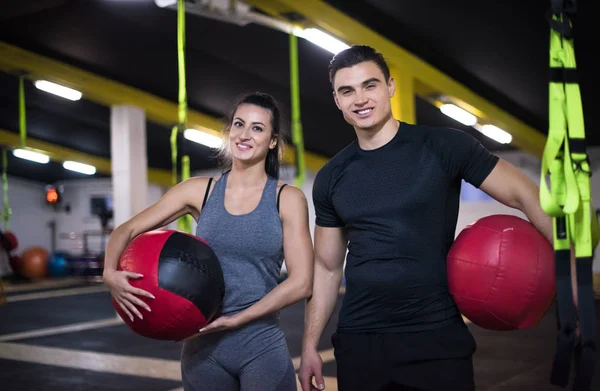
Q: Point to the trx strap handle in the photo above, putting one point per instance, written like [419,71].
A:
[568,202]
[297,137]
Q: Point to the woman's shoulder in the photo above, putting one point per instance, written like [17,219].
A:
[290,195]
[195,185]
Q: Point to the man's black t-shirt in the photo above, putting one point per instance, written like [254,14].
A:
[399,205]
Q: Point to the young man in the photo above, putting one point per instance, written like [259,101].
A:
[392,196]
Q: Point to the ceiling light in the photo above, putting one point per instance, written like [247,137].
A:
[458,114]
[165,3]
[30,155]
[79,167]
[203,138]
[496,134]
[321,39]
[57,89]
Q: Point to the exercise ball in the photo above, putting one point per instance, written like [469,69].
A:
[58,265]
[9,241]
[34,263]
[183,274]
[501,273]
[16,264]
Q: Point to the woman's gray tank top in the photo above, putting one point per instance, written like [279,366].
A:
[249,246]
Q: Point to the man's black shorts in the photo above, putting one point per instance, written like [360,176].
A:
[439,359]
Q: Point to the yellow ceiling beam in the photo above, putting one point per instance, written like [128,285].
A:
[59,153]
[99,89]
[428,79]
[108,92]
[272,7]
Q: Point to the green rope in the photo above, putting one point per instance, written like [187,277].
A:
[181,62]
[297,137]
[184,223]
[6,211]
[22,122]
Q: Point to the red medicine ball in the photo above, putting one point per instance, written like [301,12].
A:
[501,273]
[185,277]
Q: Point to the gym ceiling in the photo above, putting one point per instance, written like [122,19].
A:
[490,57]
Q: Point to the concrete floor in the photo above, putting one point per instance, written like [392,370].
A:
[66,336]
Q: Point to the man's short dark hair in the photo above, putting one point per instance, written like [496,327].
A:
[355,55]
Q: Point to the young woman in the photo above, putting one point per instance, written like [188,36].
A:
[252,222]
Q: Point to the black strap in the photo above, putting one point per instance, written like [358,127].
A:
[566,8]
[563,75]
[569,347]
[207,191]
[585,354]
[279,193]
[567,319]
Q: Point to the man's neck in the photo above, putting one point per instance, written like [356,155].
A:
[374,138]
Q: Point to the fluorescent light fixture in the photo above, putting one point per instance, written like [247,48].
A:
[30,155]
[496,134]
[321,39]
[57,89]
[79,167]
[458,114]
[165,3]
[203,138]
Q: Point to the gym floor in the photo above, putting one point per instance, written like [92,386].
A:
[64,335]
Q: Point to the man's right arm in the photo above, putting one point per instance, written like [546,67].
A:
[330,252]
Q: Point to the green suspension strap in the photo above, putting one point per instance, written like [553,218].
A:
[22,122]
[184,223]
[569,204]
[6,211]
[297,137]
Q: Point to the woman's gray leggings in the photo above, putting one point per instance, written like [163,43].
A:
[254,357]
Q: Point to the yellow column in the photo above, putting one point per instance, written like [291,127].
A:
[403,100]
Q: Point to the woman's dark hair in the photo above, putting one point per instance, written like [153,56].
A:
[275,155]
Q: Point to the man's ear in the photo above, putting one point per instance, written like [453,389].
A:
[391,86]
[335,98]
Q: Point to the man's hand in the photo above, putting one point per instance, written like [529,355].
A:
[219,324]
[311,365]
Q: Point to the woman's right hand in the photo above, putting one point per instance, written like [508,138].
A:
[124,293]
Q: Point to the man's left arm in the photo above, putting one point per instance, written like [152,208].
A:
[513,188]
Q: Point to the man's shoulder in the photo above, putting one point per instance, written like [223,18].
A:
[440,139]
[434,131]
[338,160]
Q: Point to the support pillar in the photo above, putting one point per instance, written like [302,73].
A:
[129,163]
[403,101]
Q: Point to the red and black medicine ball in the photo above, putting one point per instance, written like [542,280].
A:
[185,277]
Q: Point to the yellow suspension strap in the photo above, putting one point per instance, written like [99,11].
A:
[184,223]
[568,202]
[297,137]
